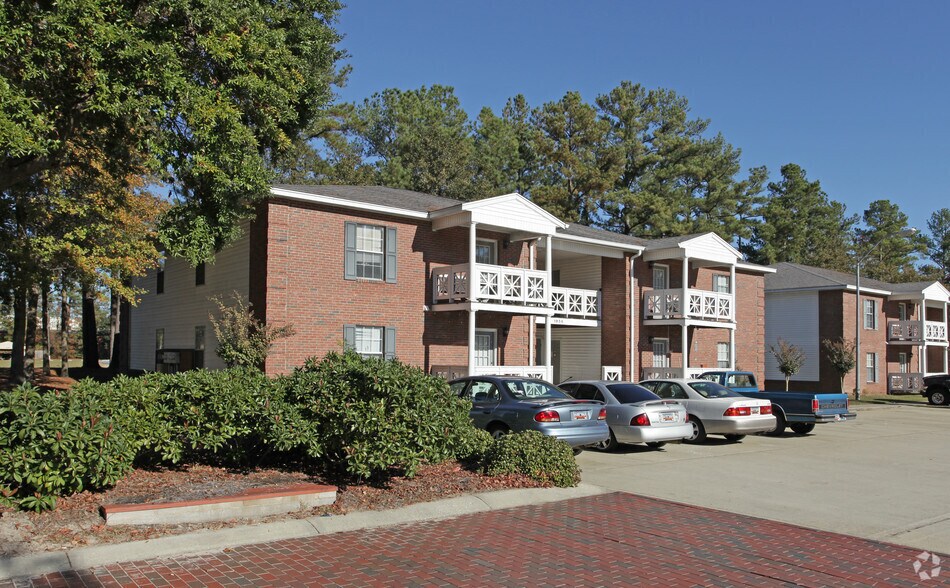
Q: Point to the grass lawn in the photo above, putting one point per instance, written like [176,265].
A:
[53,363]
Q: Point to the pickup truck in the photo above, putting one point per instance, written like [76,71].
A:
[800,411]
[937,389]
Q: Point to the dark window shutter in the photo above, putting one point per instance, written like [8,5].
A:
[160,282]
[349,238]
[349,337]
[389,345]
[200,274]
[391,254]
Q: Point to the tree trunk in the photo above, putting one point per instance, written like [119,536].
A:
[44,332]
[29,340]
[114,329]
[90,344]
[64,327]
[787,378]
[17,367]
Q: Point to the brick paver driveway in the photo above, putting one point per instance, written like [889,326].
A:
[612,539]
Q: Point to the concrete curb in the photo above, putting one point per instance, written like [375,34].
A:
[216,540]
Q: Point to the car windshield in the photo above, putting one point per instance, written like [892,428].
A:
[533,389]
[713,390]
[629,393]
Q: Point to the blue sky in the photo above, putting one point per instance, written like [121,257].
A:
[856,92]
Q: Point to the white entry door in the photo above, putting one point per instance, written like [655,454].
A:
[486,350]
[661,279]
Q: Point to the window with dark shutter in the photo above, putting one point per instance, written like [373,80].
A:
[370,252]
[200,274]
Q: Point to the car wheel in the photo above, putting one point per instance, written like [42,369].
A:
[780,424]
[699,431]
[734,437]
[802,428]
[498,431]
[937,396]
[656,444]
[608,444]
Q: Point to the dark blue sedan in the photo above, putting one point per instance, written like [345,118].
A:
[502,404]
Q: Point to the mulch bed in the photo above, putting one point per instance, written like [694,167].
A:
[76,520]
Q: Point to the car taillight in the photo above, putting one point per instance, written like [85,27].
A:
[547,416]
[641,420]
[686,418]
[602,416]
[735,411]
[814,405]
[765,409]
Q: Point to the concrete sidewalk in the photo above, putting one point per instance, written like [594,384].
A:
[220,539]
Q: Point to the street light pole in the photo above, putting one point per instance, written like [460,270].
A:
[858,309]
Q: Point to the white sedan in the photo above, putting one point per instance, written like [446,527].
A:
[714,409]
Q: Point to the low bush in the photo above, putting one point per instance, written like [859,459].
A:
[539,456]
[372,416]
[56,444]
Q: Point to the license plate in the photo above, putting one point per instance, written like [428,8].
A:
[755,410]
[837,417]
[668,417]
[580,415]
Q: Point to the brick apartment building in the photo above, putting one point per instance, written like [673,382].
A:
[491,286]
[903,328]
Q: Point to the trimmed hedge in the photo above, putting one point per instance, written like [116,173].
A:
[543,458]
[57,444]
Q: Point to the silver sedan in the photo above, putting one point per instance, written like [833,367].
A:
[634,414]
[715,409]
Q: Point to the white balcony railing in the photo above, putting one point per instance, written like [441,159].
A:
[904,382]
[490,283]
[700,304]
[652,373]
[541,372]
[914,332]
[575,303]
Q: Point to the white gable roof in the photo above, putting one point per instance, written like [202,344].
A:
[708,247]
[509,212]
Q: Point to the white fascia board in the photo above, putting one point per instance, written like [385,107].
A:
[852,288]
[848,288]
[351,204]
[599,242]
[752,267]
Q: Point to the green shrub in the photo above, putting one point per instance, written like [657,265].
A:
[372,415]
[533,454]
[52,444]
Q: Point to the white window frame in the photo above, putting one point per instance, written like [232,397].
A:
[721,284]
[870,361]
[723,356]
[664,359]
[493,249]
[666,275]
[870,314]
[361,253]
[359,336]
[903,361]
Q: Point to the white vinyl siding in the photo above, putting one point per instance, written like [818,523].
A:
[580,352]
[183,306]
[792,316]
[580,272]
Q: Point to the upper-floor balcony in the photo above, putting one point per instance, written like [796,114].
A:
[688,303]
[916,331]
[513,286]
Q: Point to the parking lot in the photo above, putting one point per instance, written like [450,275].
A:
[885,476]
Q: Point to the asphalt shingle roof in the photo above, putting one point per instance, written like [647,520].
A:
[796,275]
[379,195]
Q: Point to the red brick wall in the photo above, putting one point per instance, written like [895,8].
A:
[615,304]
[304,285]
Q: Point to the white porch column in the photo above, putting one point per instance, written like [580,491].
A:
[685,334]
[735,303]
[684,300]
[732,349]
[472,293]
[471,342]
[547,323]
[533,325]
